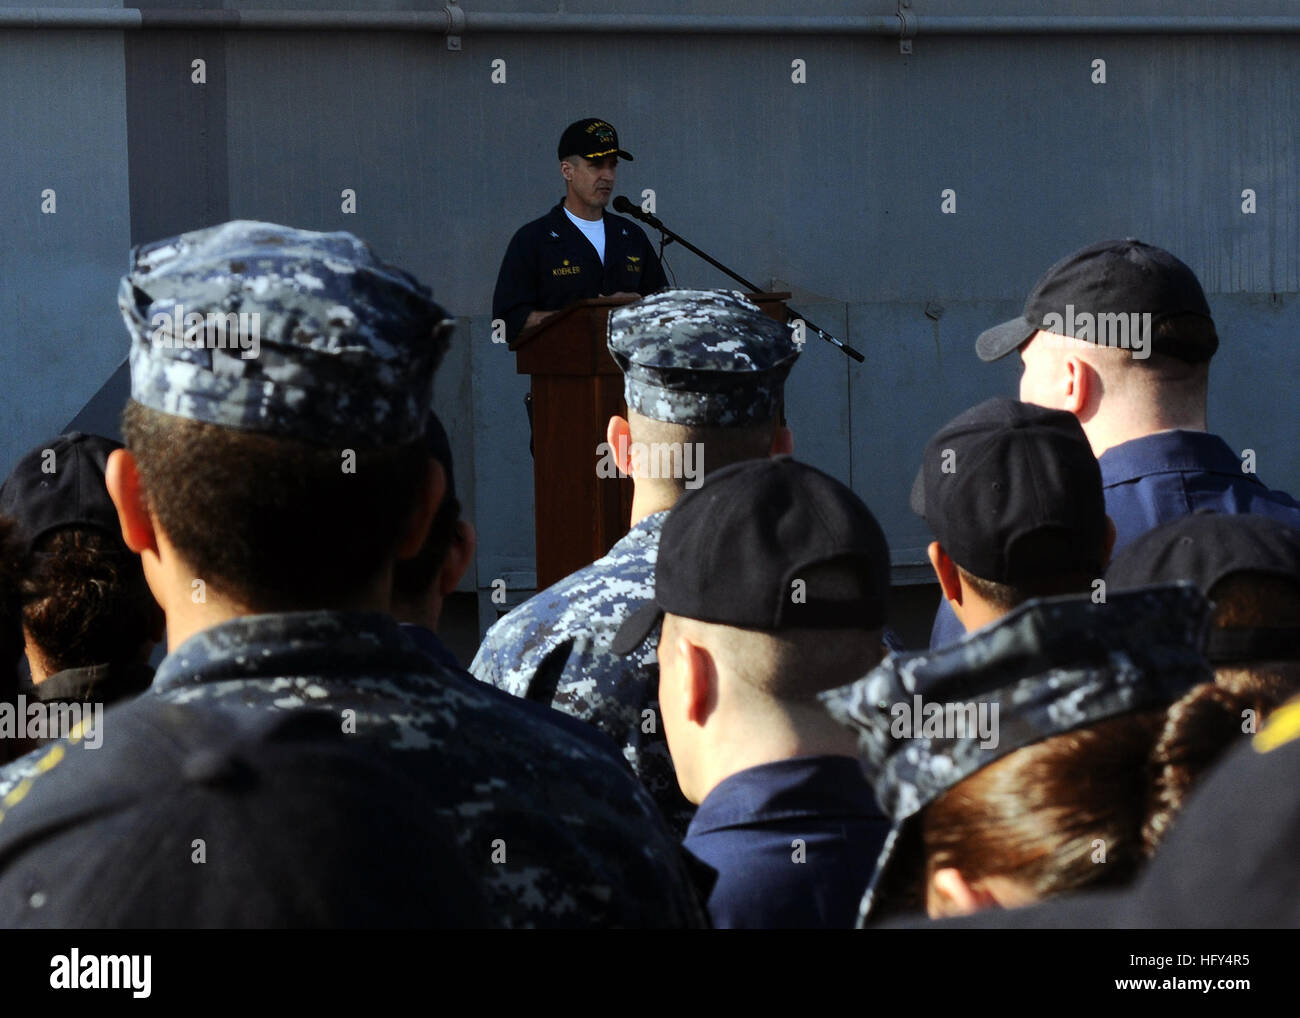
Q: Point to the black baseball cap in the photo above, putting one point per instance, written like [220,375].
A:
[1013,493]
[731,551]
[1206,548]
[591,139]
[60,484]
[1111,277]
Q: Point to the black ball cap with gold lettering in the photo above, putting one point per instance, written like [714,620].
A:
[734,550]
[591,139]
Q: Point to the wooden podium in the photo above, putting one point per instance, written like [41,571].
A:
[576,388]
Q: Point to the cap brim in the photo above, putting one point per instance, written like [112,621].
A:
[636,627]
[880,902]
[1000,340]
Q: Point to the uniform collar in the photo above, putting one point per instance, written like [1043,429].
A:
[645,533]
[429,642]
[578,220]
[104,682]
[820,786]
[1168,452]
[321,644]
[557,216]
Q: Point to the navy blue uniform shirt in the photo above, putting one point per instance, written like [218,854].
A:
[1157,478]
[550,264]
[794,843]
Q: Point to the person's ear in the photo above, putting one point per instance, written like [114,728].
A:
[1108,542]
[415,528]
[122,479]
[782,441]
[945,569]
[618,433]
[698,680]
[1076,384]
[948,894]
[566,169]
[460,553]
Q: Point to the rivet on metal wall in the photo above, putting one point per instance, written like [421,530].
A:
[455,24]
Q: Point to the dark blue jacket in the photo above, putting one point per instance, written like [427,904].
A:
[794,844]
[1162,477]
[550,264]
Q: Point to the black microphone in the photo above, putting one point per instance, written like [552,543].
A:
[621,204]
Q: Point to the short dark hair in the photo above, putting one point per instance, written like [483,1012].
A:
[1006,596]
[722,445]
[85,601]
[273,523]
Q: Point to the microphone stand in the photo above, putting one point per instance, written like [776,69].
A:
[636,212]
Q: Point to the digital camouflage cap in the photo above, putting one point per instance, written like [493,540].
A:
[287,332]
[701,357]
[1049,666]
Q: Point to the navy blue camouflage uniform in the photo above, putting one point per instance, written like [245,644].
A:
[554,650]
[1048,666]
[689,358]
[553,828]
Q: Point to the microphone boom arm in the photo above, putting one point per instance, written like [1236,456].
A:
[622,204]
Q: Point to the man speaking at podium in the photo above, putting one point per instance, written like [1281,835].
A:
[577,249]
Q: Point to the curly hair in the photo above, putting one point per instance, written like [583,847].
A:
[84,600]
[11,626]
[1202,726]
